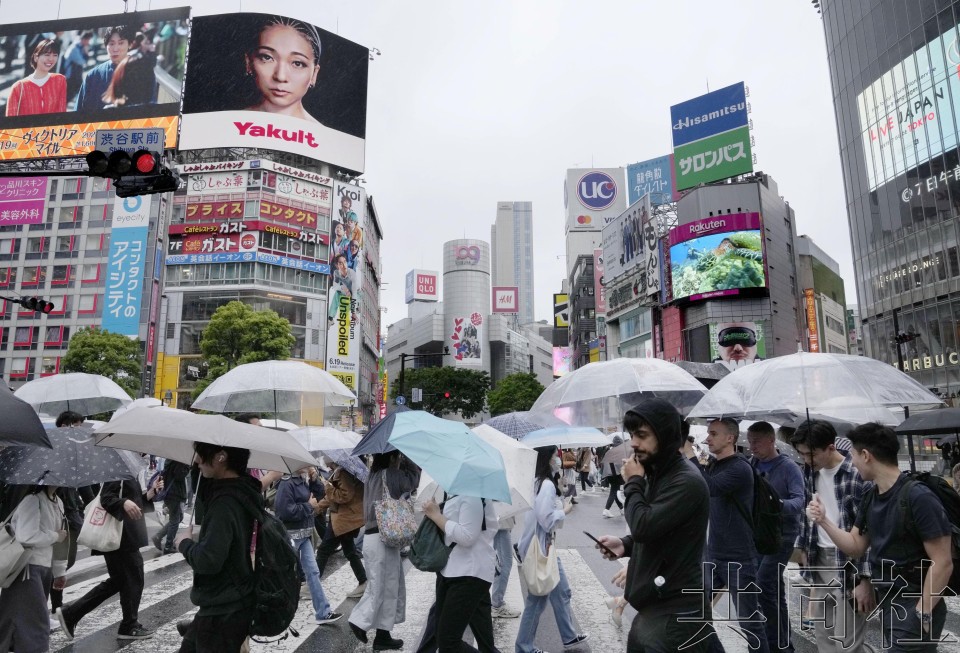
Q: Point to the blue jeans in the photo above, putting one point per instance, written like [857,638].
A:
[308,562]
[503,545]
[736,577]
[773,600]
[533,607]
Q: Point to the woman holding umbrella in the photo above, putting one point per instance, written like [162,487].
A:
[343,498]
[549,511]
[384,602]
[39,524]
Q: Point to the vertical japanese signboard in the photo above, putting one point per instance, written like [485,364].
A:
[810,308]
[346,281]
[125,271]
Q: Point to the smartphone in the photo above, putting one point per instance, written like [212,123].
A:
[600,544]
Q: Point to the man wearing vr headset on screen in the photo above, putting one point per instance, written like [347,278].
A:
[737,344]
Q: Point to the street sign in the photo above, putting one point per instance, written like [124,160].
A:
[130,140]
[417,396]
[401,400]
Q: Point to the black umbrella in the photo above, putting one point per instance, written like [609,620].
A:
[20,423]
[931,422]
[73,461]
[375,440]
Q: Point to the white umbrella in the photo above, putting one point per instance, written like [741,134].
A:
[851,388]
[142,402]
[170,433]
[279,424]
[567,437]
[273,387]
[598,394]
[325,438]
[519,461]
[87,394]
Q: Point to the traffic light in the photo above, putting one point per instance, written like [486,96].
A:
[35,304]
[902,338]
[446,395]
[140,173]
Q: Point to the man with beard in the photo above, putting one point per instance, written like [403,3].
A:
[667,506]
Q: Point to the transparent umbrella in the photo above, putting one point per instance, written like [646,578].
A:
[87,394]
[598,394]
[849,388]
[273,387]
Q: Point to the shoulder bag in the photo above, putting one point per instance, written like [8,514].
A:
[101,531]
[13,555]
[541,572]
[395,519]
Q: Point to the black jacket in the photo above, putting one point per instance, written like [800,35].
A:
[175,481]
[220,558]
[113,495]
[667,512]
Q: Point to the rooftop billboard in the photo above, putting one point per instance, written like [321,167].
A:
[68,78]
[711,137]
[421,286]
[593,197]
[267,81]
[653,177]
[717,256]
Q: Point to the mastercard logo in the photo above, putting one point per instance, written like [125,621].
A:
[584,219]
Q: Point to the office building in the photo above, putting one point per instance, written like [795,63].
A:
[511,253]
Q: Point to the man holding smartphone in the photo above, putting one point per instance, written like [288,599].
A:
[667,507]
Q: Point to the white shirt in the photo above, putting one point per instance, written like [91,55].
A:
[474,555]
[827,491]
[37,522]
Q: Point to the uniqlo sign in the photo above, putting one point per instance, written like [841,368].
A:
[421,285]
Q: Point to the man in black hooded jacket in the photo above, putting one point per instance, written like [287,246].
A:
[223,581]
[667,507]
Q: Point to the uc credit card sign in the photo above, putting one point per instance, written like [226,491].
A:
[125,270]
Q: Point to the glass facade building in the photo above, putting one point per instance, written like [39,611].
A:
[895,76]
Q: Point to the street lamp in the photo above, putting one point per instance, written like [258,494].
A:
[403,362]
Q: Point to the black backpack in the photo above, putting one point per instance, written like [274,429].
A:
[276,576]
[950,501]
[767,515]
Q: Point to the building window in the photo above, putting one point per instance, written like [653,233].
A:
[68,214]
[53,336]
[34,276]
[61,275]
[49,365]
[23,335]
[8,277]
[35,245]
[64,243]
[91,242]
[89,272]
[19,367]
[87,304]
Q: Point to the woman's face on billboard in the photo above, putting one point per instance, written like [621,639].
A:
[284,69]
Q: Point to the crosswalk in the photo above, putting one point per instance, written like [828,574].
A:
[166,601]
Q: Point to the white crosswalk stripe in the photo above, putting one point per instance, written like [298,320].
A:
[169,577]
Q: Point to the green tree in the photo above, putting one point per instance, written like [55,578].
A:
[237,334]
[115,356]
[514,392]
[467,390]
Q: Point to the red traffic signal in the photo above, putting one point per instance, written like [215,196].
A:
[446,395]
[36,304]
[145,162]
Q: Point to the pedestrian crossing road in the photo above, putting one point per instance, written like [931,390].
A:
[166,600]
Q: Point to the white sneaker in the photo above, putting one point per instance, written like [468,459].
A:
[607,514]
[54,624]
[504,612]
[357,591]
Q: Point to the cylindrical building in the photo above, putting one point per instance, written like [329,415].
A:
[895,72]
[466,302]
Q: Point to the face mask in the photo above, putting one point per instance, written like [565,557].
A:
[554,464]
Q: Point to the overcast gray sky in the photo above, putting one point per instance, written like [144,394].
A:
[471,103]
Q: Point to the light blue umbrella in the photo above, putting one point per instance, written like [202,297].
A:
[455,457]
[566,437]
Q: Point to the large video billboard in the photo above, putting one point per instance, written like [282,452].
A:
[717,256]
[711,137]
[65,79]
[900,113]
[593,197]
[735,344]
[265,81]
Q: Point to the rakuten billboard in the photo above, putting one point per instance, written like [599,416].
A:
[272,82]
[593,197]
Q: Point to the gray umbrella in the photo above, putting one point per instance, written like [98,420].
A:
[519,423]
[73,461]
[20,423]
